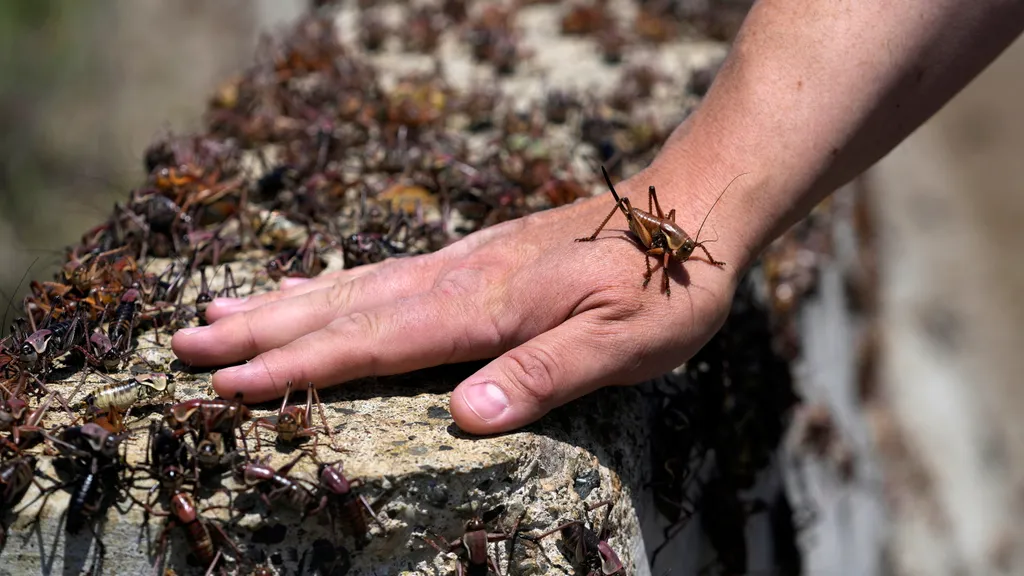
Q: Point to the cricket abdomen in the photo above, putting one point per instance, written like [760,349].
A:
[651,224]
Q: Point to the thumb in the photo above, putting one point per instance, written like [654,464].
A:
[517,388]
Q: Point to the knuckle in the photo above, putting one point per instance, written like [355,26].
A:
[532,371]
[616,301]
[361,327]
[338,297]
[459,282]
[459,296]
[474,332]
[489,331]
[270,361]
[363,324]
[251,340]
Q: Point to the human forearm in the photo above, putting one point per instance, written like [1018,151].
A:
[813,93]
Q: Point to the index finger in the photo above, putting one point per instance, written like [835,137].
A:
[420,331]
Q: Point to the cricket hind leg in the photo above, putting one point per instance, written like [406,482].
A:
[657,251]
[604,223]
[653,204]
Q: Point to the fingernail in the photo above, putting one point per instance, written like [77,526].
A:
[291,282]
[486,400]
[228,302]
[191,331]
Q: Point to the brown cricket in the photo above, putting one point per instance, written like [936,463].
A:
[294,423]
[659,234]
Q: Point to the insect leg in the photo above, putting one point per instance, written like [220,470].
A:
[601,227]
[664,273]
[373,515]
[552,531]
[432,543]
[323,419]
[213,564]
[647,257]
[710,258]
[603,533]
[284,401]
[224,537]
[652,198]
[284,470]
[230,286]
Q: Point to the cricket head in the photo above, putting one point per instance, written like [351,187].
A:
[156,385]
[683,246]
[684,249]
[287,426]
[474,524]
[34,347]
[183,508]
[111,360]
[208,452]
[677,240]
[13,410]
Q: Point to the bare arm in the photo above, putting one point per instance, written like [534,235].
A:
[814,92]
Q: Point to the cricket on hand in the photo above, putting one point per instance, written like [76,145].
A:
[658,234]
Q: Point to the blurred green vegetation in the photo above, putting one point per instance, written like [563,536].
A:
[85,86]
[49,193]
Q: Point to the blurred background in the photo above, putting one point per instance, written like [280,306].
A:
[85,87]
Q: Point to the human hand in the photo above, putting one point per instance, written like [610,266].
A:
[562,318]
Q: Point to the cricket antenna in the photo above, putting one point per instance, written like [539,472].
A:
[697,236]
[15,293]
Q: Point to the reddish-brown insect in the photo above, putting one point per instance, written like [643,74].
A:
[589,549]
[204,537]
[474,560]
[659,234]
[294,422]
[348,510]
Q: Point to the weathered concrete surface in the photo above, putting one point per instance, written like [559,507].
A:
[399,438]
[396,431]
